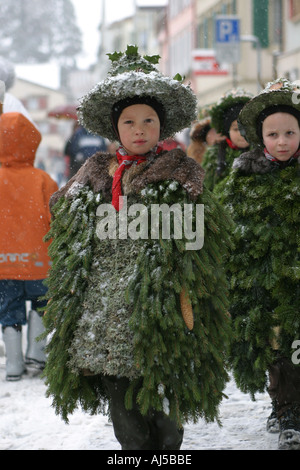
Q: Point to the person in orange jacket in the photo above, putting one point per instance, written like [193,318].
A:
[24,221]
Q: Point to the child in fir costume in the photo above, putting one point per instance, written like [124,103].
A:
[217,160]
[115,314]
[263,196]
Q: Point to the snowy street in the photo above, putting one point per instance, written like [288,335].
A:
[28,422]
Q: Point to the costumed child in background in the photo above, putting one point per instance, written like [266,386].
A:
[202,135]
[137,322]
[24,221]
[263,196]
[217,160]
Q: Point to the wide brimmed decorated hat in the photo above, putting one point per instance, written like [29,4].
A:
[228,105]
[132,75]
[280,92]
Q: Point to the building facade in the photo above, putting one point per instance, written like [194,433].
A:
[39,100]
[269,44]
[182,32]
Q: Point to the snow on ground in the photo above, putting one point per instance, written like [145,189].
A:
[28,422]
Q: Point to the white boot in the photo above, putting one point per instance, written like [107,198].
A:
[35,354]
[12,337]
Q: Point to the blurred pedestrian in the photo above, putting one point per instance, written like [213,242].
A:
[202,135]
[80,146]
[24,220]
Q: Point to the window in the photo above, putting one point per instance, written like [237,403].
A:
[36,103]
[180,55]
[206,23]
[294,10]
[176,6]
[261,21]
[275,24]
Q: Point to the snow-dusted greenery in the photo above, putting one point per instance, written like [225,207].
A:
[226,102]
[279,92]
[114,308]
[264,270]
[213,174]
[132,75]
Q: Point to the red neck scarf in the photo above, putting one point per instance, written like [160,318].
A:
[274,159]
[231,145]
[125,161]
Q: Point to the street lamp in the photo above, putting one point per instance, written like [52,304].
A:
[255,40]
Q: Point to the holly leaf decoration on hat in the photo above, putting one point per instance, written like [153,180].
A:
[115,56]
[132,75]
[154,59]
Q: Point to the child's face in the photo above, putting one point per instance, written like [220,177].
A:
[281,135]
[139,129]
[236,137]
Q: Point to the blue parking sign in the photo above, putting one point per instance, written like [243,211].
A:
[227,38]
[227,29]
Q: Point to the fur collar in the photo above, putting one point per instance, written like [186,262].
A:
[98,171]
[253,161]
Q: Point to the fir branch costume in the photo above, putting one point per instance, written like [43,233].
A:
[114,304]
[263,197]
[264,202]
[218,159]
[215,171]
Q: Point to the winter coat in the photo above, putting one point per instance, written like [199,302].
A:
[198,145]
[24,201]
[116,305]
[81,146]
[263,198]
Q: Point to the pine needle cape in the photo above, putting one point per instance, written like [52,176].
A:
[180,371]
[210,165]
[264,268]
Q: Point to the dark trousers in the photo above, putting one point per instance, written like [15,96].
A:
[284,385]
[13,297]
[155,431]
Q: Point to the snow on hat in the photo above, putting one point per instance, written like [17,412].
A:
[132,75]
[227,108]
[281,95]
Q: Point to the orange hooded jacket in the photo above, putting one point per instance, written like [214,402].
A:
[24,201]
